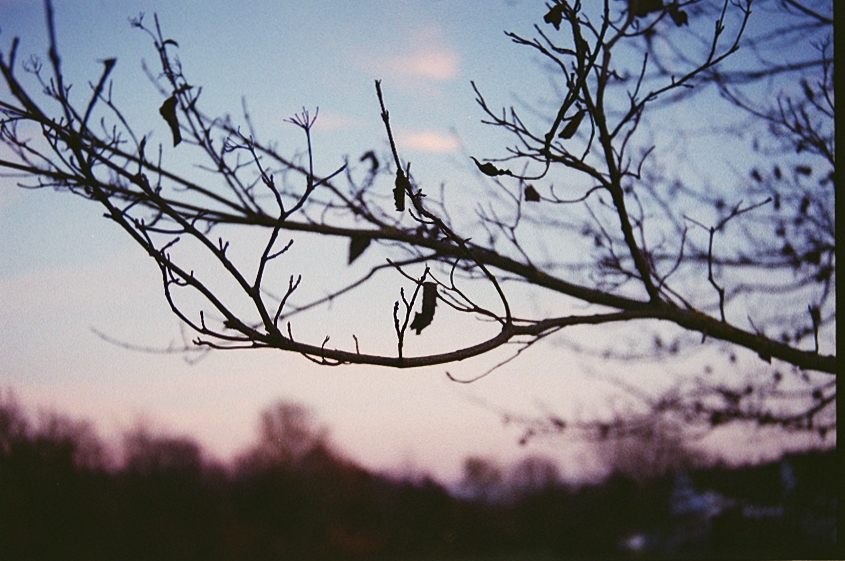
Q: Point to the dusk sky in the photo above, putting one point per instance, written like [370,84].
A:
[66,273]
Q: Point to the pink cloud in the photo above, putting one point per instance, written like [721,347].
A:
[426,56]
[327,121]
[428,141]
[435,65]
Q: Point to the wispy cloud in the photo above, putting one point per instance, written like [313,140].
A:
[426,57]
[328,121]
[428,141]
[438,65]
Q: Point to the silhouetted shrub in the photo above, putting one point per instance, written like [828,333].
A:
[63,497]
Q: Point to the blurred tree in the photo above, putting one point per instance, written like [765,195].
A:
[161,504]
[482,479]
[287,437]
[533,474]
[13,423]
[652,451]
[52,474]
[624,229]
[148,454]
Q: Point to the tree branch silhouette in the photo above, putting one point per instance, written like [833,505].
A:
[638,262]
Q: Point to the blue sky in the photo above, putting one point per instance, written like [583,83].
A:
[65,271]
[70,271]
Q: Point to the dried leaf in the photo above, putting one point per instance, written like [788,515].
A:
[572,126]
[808,91]
[678,16]
[168,111]
[489,169]
[555,16]
[423,318]
[357,245]
[531,194]
[644,7]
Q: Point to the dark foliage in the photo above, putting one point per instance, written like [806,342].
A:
[60,501]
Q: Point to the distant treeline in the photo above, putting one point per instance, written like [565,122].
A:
[64,496]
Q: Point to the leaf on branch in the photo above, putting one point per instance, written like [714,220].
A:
[489,169]
[109,64]
[531,194]
[572,126]
[555,15]
[182,89]
[805,204]
[374,163]
[168,111]
[808,91]
[641,8]
[423,319]
[357,245]
[678,15]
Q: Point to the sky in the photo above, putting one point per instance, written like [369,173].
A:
[67,274]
